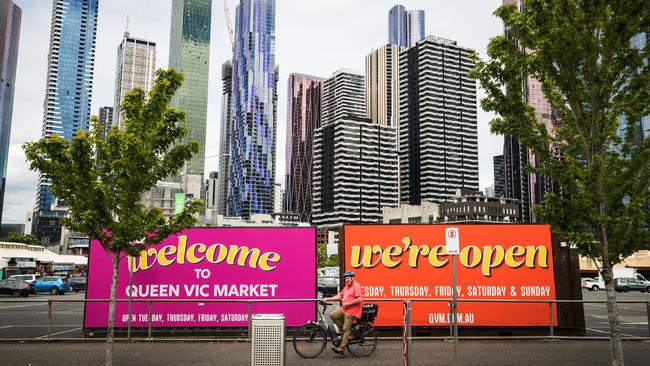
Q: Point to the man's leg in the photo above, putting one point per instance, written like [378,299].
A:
[347,326]
[338,318]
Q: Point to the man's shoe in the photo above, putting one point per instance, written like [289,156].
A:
[336,350]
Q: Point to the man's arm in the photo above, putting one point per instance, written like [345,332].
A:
[333,298]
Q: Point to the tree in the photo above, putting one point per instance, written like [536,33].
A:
[101,180]
[580,52]
[23,238]
[324,260]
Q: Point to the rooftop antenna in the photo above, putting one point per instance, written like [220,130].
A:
[126,31]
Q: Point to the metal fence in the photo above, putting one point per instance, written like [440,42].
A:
[246,336]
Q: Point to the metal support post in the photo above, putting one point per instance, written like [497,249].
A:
[454,306]
[249,336]
[128,331]
[647,311]
[406,335]
[550,318]
[49,319]
[149,319]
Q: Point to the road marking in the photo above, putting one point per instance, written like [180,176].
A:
[602,331]
[22,306]
[57,333]
[6,326]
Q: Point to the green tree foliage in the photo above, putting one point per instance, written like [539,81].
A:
[102,179]
[22,238]
[581,53]
[324,260]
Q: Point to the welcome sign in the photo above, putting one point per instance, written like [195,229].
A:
[494,262]
[208,264]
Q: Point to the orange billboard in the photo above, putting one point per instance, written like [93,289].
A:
[508,262]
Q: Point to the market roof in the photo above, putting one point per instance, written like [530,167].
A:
[38,253]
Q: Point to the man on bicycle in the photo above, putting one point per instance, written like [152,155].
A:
[351,306]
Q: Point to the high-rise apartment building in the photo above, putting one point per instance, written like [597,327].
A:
[10,19]
[355,172]
[224,137]
[405,27]
[642,127]
[136,66]
[189,52]
[251,175]
[382,85]
[68,94]
[343,96]
[499,178]
[438,121]
[303,118]
[105,119]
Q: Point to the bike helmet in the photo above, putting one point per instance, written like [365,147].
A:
[348,274]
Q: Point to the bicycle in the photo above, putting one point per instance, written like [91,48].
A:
[310,340]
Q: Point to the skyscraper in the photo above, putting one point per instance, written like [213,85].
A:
[136,65]
[355,172]
[254,110]
[303,118]
[343,96]
[528,188]
[10,18]
[189,52]
[68,93]
[224,137]
[405,28]
[415,26]
[105,119]
[382,85]
[438,121]
[499,178]
[397,26]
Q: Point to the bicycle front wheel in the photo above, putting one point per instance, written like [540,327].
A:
[364,341]
[309,340]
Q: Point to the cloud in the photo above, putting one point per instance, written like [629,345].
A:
[312,37]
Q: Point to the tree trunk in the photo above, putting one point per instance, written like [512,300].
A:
[615,342]
[111,312]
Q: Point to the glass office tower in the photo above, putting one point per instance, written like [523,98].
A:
[189,52]
[68,94]
[405,28]
[10,18]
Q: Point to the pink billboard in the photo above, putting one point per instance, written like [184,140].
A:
[209,264]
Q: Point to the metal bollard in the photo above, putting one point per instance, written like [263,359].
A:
[149,319]
[550,317]
[49,319]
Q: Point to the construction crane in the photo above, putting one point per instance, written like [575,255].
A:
[231,34]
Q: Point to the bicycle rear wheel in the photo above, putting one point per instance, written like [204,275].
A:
[364,341]
[309,340]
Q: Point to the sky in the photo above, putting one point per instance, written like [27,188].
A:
[315,37]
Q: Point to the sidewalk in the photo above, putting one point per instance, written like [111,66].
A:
[526,353]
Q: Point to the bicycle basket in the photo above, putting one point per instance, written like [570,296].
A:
[369,312]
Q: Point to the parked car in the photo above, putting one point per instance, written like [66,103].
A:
[630,284]
[15,287]
[77,283]
[327,286]
[593,284]
[53,285]
[30,278]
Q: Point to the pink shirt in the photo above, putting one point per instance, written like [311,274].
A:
[349,294]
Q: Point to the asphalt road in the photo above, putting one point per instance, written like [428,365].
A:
[25,318]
